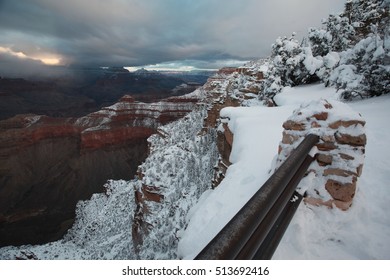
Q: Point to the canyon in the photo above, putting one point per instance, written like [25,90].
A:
[48,164]
[87,90]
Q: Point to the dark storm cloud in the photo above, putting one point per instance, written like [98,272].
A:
[139,32]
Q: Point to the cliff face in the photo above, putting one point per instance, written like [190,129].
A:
[48,164]
[230,87]
[187,158]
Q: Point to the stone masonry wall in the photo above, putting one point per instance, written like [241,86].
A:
[339,155]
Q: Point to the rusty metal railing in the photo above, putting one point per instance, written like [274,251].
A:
[256,230]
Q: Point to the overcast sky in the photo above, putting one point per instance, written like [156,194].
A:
[198,33]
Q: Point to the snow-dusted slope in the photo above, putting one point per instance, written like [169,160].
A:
[180,169]
[101,230]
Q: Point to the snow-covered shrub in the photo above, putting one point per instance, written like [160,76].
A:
[320,41]
[363,70]
[351,52]
[287,67]
[368,16]
[340,31]
[329,62]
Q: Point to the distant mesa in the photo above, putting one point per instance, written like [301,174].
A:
[127,98]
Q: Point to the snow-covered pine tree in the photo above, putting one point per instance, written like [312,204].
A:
[320,41]
[334,55]
[341,32]
[351,52]
[364,70]
[368,16]
[286,66]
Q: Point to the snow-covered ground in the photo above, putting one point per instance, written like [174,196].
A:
[362,232]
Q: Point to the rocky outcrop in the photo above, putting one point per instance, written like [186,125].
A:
[340,151]
[230,87]
[226,88]
[179,168]
[48,164]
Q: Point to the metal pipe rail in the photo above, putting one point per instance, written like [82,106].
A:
[252,232]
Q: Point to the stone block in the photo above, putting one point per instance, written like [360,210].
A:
[288,138]
[323,116]
[328,138]
[338,172]
[337,124]
[359,140]
[326,146]
[346,157]
[280,148]
[315,124]
[359,170]
[324,159]
[327,105]
[291,125]
[341,191]
[343,205]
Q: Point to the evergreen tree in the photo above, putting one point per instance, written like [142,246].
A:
[363,70]
[368,16]
[340,31]
[351,52]
[320,41]
[286,67]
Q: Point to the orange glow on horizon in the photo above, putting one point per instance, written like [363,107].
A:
[47,59]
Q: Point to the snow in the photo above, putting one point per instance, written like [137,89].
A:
[331,59]
[243,177]
[339,110]
[311,63]
[32,120]
[297,95]
[362,232]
